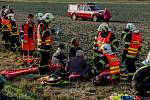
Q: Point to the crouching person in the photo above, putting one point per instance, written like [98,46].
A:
[58,64]
[108,69]
[141,81]
[79,69]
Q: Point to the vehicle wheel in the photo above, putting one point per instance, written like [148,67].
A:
[95,18]
[74,17]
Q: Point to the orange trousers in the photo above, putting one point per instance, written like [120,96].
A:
[28,45]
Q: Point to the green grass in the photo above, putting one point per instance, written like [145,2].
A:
[25,87]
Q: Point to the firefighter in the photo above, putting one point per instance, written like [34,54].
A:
[40,15]
[44,44]
[104,35]
[29,30]
[6,31]
[108,67]
[141,80]
[132,47]
[0,25]
[14,39]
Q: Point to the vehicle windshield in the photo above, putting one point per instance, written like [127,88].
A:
[94,7]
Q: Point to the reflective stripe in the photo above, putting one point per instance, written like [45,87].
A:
[131,56]
[130,73]
[115,72]
[134,49]
[114,67]
[114,47]
[127,43]
[101,61]
[125,34]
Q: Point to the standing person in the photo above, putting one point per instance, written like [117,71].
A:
[132,47]
[141,80]
[40,15]
[0,25]
[108,67]
[44,44]
[75,44]
[6,31]
[106,15]
[2,11]
[14,39]
[104,35]
[29,29]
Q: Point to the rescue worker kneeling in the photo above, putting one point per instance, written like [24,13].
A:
[14,38]
[141,81]
[108,67]
[79,69]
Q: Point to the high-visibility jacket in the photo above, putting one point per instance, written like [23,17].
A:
[113,63]
[134,45]
[41,30]
[6,25]
[25,29]
[100,40]
[14,28]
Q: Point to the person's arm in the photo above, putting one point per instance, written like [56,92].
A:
[114,42]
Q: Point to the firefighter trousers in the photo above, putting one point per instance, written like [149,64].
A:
[44,59]
[15,43]
[6,37]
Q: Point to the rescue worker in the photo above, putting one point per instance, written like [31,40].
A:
[2,11]
[40,15]
[132,47]
[141,80]
[0,25]
[14,39]
[44,44]
[104,35]
[29,30]
[6,31]
[108,68]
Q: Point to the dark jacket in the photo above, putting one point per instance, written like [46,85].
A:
[73,51]
[78,65]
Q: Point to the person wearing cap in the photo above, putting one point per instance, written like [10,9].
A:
[14,38]
[141,80]
[132,47]
[104,35]
[44,39]
[29,30]
[108,68]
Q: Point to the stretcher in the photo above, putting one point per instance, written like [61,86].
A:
[16,72]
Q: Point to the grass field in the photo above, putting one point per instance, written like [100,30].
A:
[26,88]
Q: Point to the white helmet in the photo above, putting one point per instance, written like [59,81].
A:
[48,17]
[147,61]
[80,53]
[39,15]
[107,49]
[11,16]
[131,27]
[103,27]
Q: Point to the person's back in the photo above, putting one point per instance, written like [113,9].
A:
[77,64]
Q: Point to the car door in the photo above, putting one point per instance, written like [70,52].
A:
[80,12]
[87,12]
